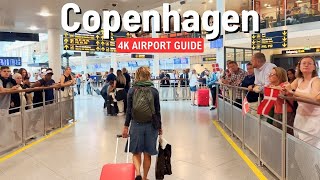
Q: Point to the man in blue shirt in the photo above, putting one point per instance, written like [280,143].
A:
[211,80]
[111,76]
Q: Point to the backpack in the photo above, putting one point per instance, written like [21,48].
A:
[143,104]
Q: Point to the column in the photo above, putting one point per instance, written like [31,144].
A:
[84,62]
[114,62]
[54,52]
[220,51]
[156,59]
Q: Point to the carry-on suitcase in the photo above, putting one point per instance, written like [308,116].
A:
[124,171]
[203,97]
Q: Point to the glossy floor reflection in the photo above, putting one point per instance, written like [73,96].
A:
[78,153]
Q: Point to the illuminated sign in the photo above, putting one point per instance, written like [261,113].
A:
[91,42]
[269,40]
[142,56]
[299,51]
[10,61]
[209,59]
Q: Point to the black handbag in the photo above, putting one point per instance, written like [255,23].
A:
[120,95]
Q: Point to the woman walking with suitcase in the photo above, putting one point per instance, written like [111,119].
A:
[143,113]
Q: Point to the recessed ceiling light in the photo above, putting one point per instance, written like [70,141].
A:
[44,14]
[265,5]
[210,1]
[33,28]
[179,10]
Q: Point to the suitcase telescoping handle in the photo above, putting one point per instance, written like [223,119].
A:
[116,154]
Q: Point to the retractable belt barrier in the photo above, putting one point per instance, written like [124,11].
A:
[273,141]
[32,119]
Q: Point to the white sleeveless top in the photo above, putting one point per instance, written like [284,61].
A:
[306,109]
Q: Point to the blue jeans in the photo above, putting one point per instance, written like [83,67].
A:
[89,89]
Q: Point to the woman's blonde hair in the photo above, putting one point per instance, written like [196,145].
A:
[120,77]
[142,74]
[281,74]
[314,72]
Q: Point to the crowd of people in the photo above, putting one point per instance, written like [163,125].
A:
[301,82]
[19,79]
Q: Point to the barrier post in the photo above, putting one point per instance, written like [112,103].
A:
[43,114]
[232,104]
[224,105]
[259,136]
[73,109]
[22,111]
[284,140]
[217,101]
[59,107]
[242,124]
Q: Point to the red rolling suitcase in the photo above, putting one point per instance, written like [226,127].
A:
[203,97]
[121,171]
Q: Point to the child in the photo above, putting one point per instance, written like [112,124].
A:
[112,102]
[278,78]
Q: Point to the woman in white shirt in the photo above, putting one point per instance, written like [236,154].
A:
[193,86]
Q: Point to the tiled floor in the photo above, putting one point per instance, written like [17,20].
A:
[78,153]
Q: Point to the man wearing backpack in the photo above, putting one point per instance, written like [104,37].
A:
[143,113]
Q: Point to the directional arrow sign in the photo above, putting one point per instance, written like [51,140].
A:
[66,34]
[71,41]
[97,36]
[253,42]
[66,47]
[66,40]
[97,48]
[102,43]
[284,39]
[284,33]
[284,45]
[253,47]
[253,36]
[102,49]
[97,42]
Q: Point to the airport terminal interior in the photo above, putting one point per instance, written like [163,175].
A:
[245,108]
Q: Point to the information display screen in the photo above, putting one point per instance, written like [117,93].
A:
[92,42]
[10,61]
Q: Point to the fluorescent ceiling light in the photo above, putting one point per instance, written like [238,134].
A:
[210,1]
[269,6]
[33,28]
[299,1]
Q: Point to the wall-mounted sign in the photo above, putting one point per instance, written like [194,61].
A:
[91,42]
[299,51]
[142,56]
[209,59]
[218,43]
[10,61]
[269,40]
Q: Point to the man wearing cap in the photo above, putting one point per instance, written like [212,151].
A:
[46,81]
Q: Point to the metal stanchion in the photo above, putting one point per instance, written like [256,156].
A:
[43,114]
[224,105]
[243,117]
[259,136]
[59,107]
[284,140]
[22,111]
[217,101]
[73,109]
[232,103]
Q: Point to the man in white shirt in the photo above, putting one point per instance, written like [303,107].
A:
[262,69]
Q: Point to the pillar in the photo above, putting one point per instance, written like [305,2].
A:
[84,62]
[220,51]
[114,62]
[54,53]
[156,59]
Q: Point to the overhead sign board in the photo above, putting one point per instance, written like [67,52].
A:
[269,40]
[142,56]
[91,42]
[209,59]
[299,51]
[10,61]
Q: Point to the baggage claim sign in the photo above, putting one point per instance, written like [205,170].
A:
[212,22]
[270,40]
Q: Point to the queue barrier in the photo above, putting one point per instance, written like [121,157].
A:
[286,156]
[30,122]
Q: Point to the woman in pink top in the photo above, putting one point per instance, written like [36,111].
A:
[307,85]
